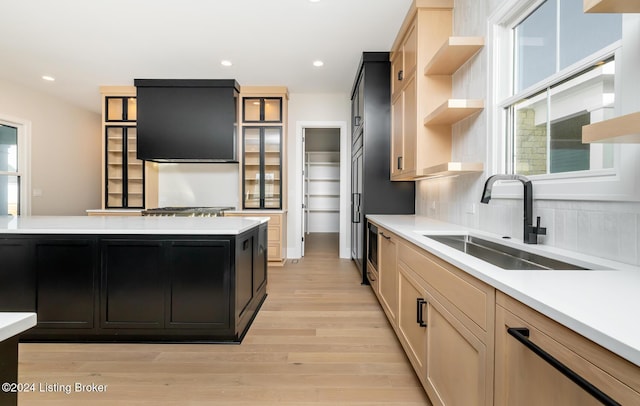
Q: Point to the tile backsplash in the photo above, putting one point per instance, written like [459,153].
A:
[608,230]
[198,185]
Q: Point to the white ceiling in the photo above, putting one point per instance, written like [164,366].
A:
[88,43]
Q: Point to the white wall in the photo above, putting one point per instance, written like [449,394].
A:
[316,110]
[606,229]
[66,154]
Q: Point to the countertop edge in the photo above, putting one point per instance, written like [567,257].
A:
[120,225]
[14,323]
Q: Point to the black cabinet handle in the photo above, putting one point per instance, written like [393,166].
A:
[357,120]
[400,75]
[419,312]
[384,236]
[399,162]
[522,334]
[355,207]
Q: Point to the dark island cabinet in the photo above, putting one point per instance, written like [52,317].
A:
[54,277]
[17,277]
[133,288]
[251,275]
[260,262]
[66,275]
[199,284]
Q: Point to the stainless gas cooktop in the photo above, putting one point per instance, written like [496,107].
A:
[186,211]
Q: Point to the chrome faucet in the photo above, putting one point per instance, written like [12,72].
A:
[531,232]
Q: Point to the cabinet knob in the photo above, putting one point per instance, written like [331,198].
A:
[400,75]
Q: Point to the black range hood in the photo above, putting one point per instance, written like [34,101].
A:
[187,120]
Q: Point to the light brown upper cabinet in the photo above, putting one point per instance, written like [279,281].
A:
[422,107]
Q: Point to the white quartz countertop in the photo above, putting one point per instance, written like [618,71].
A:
[601,304]
[128,225]
[114,211]
[12,324]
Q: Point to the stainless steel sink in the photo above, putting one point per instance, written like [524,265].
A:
[501,255]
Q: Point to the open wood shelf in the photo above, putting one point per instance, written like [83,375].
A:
[452,169]
[453,110]
[611,6]
[453,54]
[622,129]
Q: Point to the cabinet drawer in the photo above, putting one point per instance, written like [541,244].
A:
[537,382]
[472,297]
[273,252]
[274,233]
[274,220]
[372,276]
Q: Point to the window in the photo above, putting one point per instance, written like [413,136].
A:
[13,164]
[568,72]
[563,77]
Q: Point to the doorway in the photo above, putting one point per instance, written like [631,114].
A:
[321,185]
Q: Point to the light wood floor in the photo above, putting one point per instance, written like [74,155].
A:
[320,339]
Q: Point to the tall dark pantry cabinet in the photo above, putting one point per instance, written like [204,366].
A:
[372,191]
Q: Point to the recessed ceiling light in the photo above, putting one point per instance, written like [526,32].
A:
[48,78]
[318,63]
[313,1]
[226,63]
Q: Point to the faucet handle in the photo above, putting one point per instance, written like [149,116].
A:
[539,230]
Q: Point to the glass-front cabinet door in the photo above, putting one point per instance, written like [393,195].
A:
[262,168]
[124,181]
[120,108]
[252,171]
[262,109]
[135,172]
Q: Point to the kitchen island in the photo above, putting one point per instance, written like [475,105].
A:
[11,325]
[169,279]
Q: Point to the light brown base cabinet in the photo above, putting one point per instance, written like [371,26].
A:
[388,273]
[454,330]
[524,378]
[443,319]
